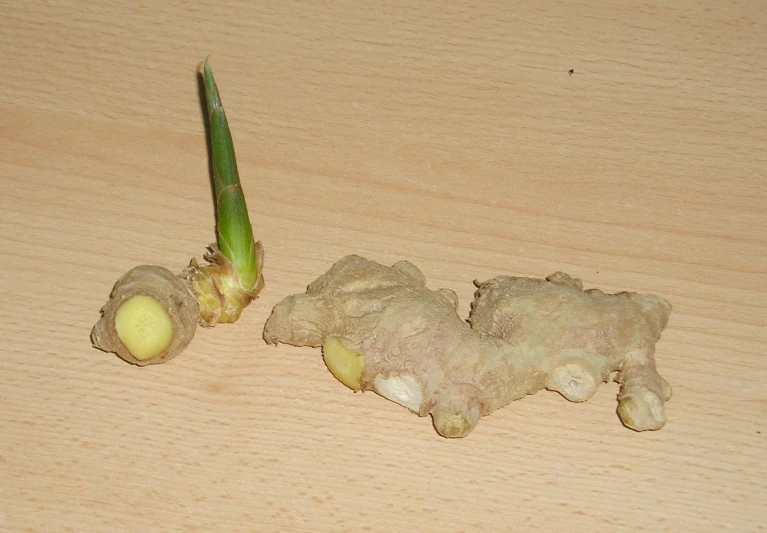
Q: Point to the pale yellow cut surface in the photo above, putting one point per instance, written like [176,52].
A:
[345,364]
[144,327]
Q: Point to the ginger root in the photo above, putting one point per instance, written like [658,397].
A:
[383,330]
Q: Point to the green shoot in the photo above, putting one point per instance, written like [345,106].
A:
[234,232]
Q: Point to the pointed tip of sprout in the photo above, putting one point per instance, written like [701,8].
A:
[212,98]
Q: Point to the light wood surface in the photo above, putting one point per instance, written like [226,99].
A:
[449,135]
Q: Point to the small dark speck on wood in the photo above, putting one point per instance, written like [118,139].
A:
[571,71]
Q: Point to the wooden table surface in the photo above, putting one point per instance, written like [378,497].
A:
[448,135]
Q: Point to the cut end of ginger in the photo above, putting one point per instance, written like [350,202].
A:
[144,327]
[151,316]
[346,365]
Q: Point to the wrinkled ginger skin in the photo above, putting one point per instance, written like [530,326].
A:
[420,353]
[170,291]
[577,339]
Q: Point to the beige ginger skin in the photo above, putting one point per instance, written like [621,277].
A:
[383,330]
[570,340]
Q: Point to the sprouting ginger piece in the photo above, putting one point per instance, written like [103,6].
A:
[152,315]
[409,344]
[576,339]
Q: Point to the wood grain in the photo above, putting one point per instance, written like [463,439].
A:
[447,134]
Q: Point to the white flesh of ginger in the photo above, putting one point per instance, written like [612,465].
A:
[403,390]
